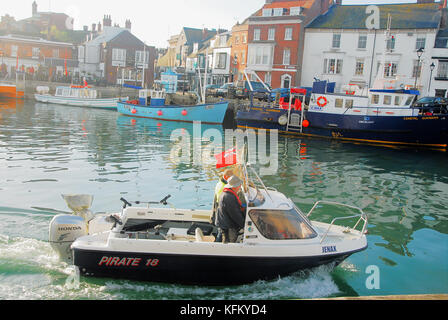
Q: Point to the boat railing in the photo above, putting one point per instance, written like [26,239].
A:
[361,217]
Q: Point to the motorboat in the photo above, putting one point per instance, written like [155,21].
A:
[9,91]
[149,241]
[78,96]
[153,104]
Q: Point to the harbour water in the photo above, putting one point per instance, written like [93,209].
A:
[49,150]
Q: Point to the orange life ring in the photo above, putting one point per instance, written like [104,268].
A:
[320,103]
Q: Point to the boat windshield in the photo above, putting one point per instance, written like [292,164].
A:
[282,224]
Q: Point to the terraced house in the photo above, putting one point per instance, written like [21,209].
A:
[341,47]
[276,39]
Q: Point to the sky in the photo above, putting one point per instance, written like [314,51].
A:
[154,22]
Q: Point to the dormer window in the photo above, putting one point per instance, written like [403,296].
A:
[295,11]
[267,12]
[278,12]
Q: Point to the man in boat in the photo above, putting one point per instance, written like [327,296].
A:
[231,213]
[218,191]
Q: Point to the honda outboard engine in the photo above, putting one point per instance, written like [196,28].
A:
[66,228]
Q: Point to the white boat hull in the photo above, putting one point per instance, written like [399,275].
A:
[110,103]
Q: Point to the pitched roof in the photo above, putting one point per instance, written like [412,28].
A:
[195,35]
[404,16]
[107,35]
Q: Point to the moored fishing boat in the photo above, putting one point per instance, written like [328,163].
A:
[151,104]
[178,245]
[79,96]
[383,116]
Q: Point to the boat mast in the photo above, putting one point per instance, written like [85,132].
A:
[379,81]
[144,63]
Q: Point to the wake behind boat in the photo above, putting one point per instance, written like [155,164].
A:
[178,245]
[152,104]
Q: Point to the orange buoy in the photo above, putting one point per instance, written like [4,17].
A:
[134,111]
[305,123]
[159,113]
[184,112]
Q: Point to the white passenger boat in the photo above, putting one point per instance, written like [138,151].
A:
[178,245]
[79,96]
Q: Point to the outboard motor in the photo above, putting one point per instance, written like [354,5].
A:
[66,228]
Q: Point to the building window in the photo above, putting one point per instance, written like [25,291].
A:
[362,41]
[221,62]
[257,33]
[295,11]
[286,57]
[237,39]
[56,53]
[36,52]
[244,39]
[286,81]
[140,57]
[14,51]
[260,55]
[118,57]
[288,33]
[243,57]
[278,12]
[332,66]
[359,70]
[417,69]
[420,43]
[391,43]
[390,69]
[268,78]
[267,12]
[336,43]
[442,70]
[271,34]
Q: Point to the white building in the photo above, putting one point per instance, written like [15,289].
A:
[221,58]
[340,48]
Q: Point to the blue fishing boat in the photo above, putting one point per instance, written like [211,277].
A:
[151,104]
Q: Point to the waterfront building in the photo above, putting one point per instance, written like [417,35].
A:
[221,60]
[276,39]
[39,58]
[340,48]
[239,48]
[438,68]
[117,56]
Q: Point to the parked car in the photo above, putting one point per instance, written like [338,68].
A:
[431,105]
[223,91]
[243,89]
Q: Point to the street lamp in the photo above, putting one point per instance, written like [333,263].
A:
[419,55]
[431,67]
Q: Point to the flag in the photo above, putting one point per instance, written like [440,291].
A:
[226,159]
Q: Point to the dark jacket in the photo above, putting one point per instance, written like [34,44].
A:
[230,215]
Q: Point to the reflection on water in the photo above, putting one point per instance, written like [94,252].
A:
[48,150]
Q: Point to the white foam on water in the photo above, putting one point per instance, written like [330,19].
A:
[315,283]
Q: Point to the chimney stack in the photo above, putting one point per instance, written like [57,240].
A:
[34,5]
[107,21]
[93,27]
[204,33]
[128,24]
[99,27]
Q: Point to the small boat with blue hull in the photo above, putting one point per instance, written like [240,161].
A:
[151,104]
[383,116]
[78,96]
